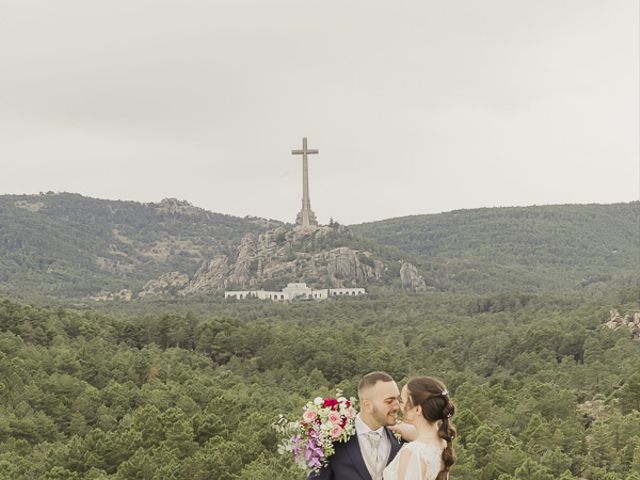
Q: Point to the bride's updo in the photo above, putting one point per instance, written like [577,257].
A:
[432,396]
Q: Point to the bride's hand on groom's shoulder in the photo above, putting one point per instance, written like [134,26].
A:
[406,431]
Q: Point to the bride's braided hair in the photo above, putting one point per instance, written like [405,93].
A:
[432,396]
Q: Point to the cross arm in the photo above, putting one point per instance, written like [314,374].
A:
[302,152]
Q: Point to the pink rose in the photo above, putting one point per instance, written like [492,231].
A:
[336,431]
[334,418]
[309,416]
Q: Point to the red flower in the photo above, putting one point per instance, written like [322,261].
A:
[330,402]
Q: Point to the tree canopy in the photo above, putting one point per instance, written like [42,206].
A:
[542,390]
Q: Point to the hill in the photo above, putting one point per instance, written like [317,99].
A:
[538,248]
[73,247]
[68,245]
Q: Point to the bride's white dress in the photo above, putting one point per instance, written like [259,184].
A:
[423,462]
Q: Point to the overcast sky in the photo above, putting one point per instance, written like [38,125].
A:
[416,106]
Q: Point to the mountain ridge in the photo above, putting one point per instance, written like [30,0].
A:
[72,246]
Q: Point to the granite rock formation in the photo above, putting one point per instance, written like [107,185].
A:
[630,322]
[282,255]
[411,279]
[170,282]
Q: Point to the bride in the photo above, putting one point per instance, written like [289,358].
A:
[427,410]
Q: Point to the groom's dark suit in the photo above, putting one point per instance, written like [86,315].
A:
[348,464]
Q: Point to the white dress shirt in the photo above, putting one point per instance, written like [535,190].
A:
[384,447]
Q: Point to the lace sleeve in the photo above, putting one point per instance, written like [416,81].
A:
[411,465]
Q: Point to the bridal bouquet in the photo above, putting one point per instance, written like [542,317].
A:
[311,437]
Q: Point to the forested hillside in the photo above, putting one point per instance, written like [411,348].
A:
[545,248]
[543,391]
[66,246]
[69,246]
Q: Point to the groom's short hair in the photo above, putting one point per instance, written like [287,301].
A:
[370,379]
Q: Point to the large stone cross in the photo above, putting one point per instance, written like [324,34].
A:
[306,217]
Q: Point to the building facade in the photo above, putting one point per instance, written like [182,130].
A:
[294,290]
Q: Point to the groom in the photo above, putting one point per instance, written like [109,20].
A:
[365,455]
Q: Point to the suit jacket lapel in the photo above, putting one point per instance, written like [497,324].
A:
[353,448]
[395,445]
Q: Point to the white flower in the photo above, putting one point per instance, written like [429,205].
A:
[342,399]
[318,401]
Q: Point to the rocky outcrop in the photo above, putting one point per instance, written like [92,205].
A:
[114,266]
[167,283]
[31,206]
[173,206]
[617,321]
[411,279]
[282,256]
[595,409]
[345,263]
[316,255]
[210,277]
[125,295]
[244,268]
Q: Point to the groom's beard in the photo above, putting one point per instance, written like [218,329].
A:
[386,418]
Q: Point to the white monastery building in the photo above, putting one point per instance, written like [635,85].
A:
[295,290]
